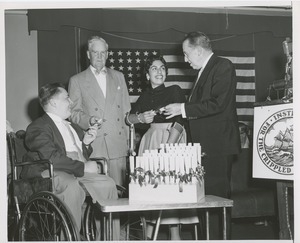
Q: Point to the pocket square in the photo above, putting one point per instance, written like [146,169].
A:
[119,87]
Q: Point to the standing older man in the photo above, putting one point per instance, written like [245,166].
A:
[100,95]
[53,138]
[211,111]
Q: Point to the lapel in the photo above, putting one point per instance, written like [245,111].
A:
[194,87]
[56,132]
[203,77]
[91,85]
[112,89]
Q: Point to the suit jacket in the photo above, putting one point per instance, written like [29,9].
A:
[44,141]
[88,99]
[211,110]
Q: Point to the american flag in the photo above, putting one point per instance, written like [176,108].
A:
[131,63]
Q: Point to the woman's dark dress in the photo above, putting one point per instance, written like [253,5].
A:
[158,131]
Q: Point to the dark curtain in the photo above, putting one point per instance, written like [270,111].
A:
[62,36]
[143,21]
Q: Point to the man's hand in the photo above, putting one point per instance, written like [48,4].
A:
[148,116]
[94,120]
[90,167]
[172,110]
[90,135]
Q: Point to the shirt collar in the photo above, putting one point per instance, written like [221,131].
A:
[103,70]
[206,61]
[204,64]
[56,118]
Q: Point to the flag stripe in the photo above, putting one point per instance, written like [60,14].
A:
[245,98]
[245,79]
[245,85]
[243,60]
[180,78]
[130,62]
[177,71]
[245,111]
[244,72]
[244,105]
[183,85]
[243,66]
[245,92]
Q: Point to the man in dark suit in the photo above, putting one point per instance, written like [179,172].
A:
[100,94]
[53,138]
[211,112]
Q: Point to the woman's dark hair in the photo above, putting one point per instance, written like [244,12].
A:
[149,61]
[47,91]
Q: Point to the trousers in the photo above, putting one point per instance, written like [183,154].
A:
[117,170]
[70,190]
[217,182]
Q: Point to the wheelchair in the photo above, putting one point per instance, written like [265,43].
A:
[35,213]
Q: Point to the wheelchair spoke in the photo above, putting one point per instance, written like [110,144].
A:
[42,220]
[136,226]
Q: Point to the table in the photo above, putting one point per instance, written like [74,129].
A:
[108,207]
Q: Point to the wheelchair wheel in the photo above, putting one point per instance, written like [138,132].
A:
[89,222]
[45,218]
[133,227]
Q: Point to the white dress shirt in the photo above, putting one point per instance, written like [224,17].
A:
[101,78]
[198,77]
[68,140]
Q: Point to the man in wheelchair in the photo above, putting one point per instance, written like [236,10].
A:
[53,138]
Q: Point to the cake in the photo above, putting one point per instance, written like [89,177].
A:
[170,174]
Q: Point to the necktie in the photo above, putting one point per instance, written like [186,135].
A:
[101,79]
[102,71]
[196,81]
[78,150]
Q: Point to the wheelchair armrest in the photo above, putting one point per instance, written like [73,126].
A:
[34,162]
[102,164]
